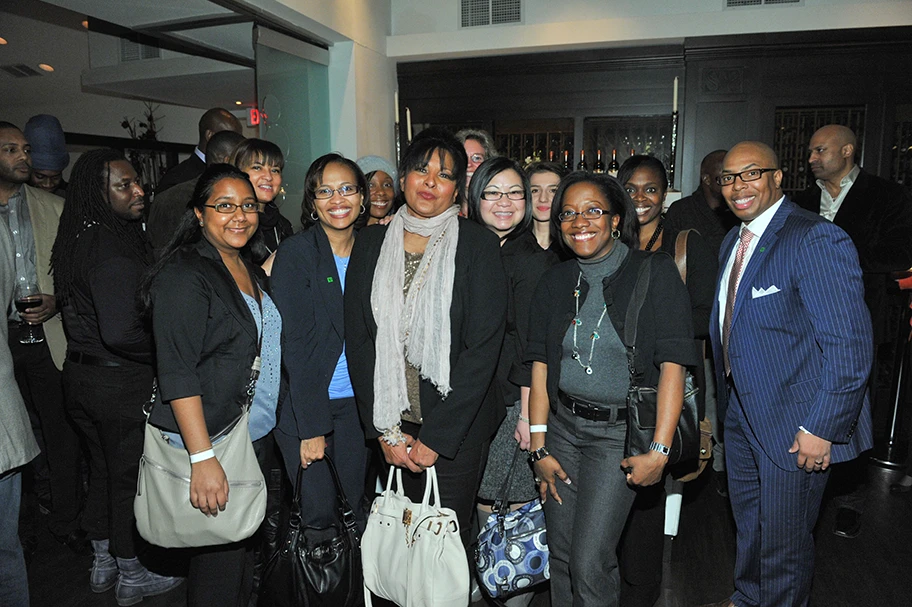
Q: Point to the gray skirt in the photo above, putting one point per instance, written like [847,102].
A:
[500,457]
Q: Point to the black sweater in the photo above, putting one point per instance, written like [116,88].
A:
[665,331]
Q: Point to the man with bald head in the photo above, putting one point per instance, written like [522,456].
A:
[792,337]
[876,214]
[213,121]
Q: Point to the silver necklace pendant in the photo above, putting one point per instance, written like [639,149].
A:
[588,370]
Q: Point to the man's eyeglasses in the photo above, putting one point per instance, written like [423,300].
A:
[493,195]
[591,214]
[229,207]
[322,193]
[745,176]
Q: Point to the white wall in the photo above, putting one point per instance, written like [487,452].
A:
[428,29]
[362,79]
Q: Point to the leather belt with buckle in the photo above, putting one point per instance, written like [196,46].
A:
[591,411]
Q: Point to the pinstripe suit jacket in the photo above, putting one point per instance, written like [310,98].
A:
[800,356]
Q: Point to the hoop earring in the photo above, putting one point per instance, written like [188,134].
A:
[363,209]
[314,216]
[616,234]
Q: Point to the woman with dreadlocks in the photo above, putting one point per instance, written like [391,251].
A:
[98,259]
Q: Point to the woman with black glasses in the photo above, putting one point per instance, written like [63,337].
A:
[212,317]
[319,415]
[499,199]
[580,381]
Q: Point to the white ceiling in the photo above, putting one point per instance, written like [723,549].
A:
[52,32]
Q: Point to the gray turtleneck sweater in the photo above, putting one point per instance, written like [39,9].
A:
[610,379]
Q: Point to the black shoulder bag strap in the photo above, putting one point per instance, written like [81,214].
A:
[633,316]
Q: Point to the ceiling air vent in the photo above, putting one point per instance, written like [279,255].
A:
[20,70]
[133,51]
[490,12]
[743,3]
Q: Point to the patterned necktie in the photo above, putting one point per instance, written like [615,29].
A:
[733,279]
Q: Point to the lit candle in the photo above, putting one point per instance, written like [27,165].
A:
[674,104]
[396,103]
[408,124]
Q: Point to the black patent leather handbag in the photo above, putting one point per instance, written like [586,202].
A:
[315,567]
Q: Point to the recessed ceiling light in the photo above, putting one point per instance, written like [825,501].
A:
[3,41]
[46,67]
[85,23]
[238,103]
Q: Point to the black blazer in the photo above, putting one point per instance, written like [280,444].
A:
[205,336]
[308,294]
[664,332]
[469,415]
[877,216]
[191,168]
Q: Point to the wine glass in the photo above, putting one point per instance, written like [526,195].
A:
[28,295]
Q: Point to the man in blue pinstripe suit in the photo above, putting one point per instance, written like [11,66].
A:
[791,327]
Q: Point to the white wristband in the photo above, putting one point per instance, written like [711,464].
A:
[538,428]
[202,456]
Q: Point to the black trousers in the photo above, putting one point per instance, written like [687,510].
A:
[222,576]
[641,548]
[41,385]
[106,403]
[345,444]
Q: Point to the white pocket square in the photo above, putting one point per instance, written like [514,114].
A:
[755,292]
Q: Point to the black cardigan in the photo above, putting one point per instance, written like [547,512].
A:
[524,264]
[307,291]
[469,414]
[664,333]
[205,336]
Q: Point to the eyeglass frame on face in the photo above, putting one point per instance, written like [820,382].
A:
[722,180]
[253,207]
[331,191]
[495,195]
[596,212]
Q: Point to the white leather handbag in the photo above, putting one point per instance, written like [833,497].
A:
[164,514]
[412,553]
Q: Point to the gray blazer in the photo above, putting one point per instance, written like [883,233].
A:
[17,443]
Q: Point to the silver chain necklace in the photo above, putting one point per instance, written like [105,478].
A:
[595,332]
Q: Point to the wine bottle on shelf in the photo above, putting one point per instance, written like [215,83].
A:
[613,166]
[582,166]
[633,152]
[567,164]
[599,165]
[551,156]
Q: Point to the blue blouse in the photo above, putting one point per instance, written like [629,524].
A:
[340,385]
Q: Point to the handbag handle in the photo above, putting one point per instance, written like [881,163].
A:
[501,504]
[398,478]
[431,487]
[345,509]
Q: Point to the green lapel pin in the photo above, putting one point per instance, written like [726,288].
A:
[762,249]
[329,279]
